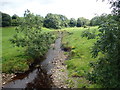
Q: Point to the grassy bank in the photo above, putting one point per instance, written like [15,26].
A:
[79,56]
[13,58]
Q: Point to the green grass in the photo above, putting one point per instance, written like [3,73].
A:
[80,56]
[13,58]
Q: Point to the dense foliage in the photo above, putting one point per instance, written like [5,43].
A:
[52,21]
[82,22]
[64,21]
[95,21]
[72,22]
[58,21]
[30,35]
[89,34]
[55,21]
[106,70]
[79,22]
[15,20]
[6,19]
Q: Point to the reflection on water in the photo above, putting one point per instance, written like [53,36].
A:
[42,80]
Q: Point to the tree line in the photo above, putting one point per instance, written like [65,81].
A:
[55,21]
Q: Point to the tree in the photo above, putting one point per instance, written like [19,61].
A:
[94,21]
[64,21]
[15,16]
[79,22]
[0,19]
[97,20]
[82,22]
[106,70]
[33,39]
[52,21]
[72,22]
[15,20]
[6,20]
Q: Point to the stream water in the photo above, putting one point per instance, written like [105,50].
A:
[38,77]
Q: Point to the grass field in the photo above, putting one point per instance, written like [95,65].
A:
[79,56]
[13,58]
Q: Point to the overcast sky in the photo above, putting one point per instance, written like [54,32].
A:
[69,8]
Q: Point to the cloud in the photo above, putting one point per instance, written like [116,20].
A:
[69,8]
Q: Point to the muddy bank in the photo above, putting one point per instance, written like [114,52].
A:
[52,72]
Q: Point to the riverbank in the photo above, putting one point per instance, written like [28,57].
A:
[51,73]
[79,54]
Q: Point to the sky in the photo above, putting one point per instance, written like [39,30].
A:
[69,8]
